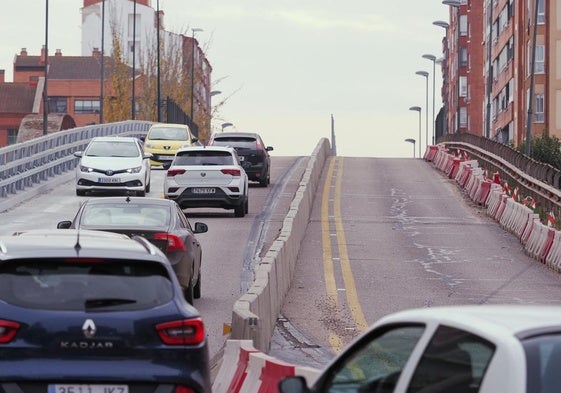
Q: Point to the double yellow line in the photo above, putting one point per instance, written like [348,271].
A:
[329,267]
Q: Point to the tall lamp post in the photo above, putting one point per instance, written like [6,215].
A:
[133,109]
[45,91]
[426,76]
[102,72]
[159,105]
[433,59]
[418,109]
[224,125]
[445,26]
[411,140]
[193,31]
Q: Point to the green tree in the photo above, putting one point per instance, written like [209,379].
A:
[544,148]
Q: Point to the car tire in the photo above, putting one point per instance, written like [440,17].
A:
[239,211]
[188,294]
[197,289]
[80,192]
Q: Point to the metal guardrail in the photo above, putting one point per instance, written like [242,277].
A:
[536,179]
[29,163]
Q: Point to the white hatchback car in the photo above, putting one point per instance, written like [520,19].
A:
[460,349]
[210,176]
[113,163]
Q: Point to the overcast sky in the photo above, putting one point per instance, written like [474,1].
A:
[285,66]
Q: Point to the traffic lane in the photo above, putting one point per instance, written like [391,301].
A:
[224,245]
[413,240]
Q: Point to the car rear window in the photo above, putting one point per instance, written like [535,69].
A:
[84,284]
[130,214]
[204,157]
[236,142]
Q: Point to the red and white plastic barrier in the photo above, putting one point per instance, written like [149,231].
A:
[245,369]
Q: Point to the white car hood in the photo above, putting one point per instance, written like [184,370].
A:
[113,163]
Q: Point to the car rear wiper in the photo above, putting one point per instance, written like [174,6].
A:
[107,302]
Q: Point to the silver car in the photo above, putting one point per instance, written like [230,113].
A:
[113,164]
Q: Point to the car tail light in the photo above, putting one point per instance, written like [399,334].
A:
[173,172]
[173,243]
[233,172]
[183,332]
[258,145]
[8,331]
[183,389]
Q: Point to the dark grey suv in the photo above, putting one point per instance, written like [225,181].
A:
[253,153]
[93,311]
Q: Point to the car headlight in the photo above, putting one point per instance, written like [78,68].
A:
[134,170]
[86,169]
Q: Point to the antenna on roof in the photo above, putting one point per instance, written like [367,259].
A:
[77,246]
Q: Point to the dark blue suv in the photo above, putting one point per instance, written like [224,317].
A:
[95,312]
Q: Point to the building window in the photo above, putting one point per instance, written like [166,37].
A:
[539,67]
[539,112]
[57,105]
[12,136]
[463,86]
[86,106]
[463,25]
[541,12]
[463,56]
[463,117]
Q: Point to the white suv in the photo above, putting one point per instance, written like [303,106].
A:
[209,176]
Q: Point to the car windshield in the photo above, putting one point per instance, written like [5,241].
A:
[543,362]
[204,157]
[236,142]
[75,284]
[168,134]
[112,149]
[122,215]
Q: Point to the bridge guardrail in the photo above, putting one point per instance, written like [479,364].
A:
[539,180]
[27,164]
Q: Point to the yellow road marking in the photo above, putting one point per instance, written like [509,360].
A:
[352,296]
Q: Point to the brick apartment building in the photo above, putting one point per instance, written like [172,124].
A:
[487,71]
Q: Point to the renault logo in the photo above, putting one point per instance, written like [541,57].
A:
[89,328]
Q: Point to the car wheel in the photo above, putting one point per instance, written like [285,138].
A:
[197,289]
[188,294]
[239,211]
[80,192]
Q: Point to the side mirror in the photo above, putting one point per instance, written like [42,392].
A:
[269,148]
[78,154]
[143,138]
[200,227]
[64,224]
[147,155]
[166,165]
[295,384]
[194,139]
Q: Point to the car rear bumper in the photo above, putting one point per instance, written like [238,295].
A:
[220,198]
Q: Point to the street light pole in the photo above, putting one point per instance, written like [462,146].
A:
[158,60]
[426,76]
[102,73]
[433,59]
[133,111]
[418,109]
[411,140]
[193,31]
[45,90]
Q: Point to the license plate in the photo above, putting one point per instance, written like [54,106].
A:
[206,190]
[75,388]
[109,180]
